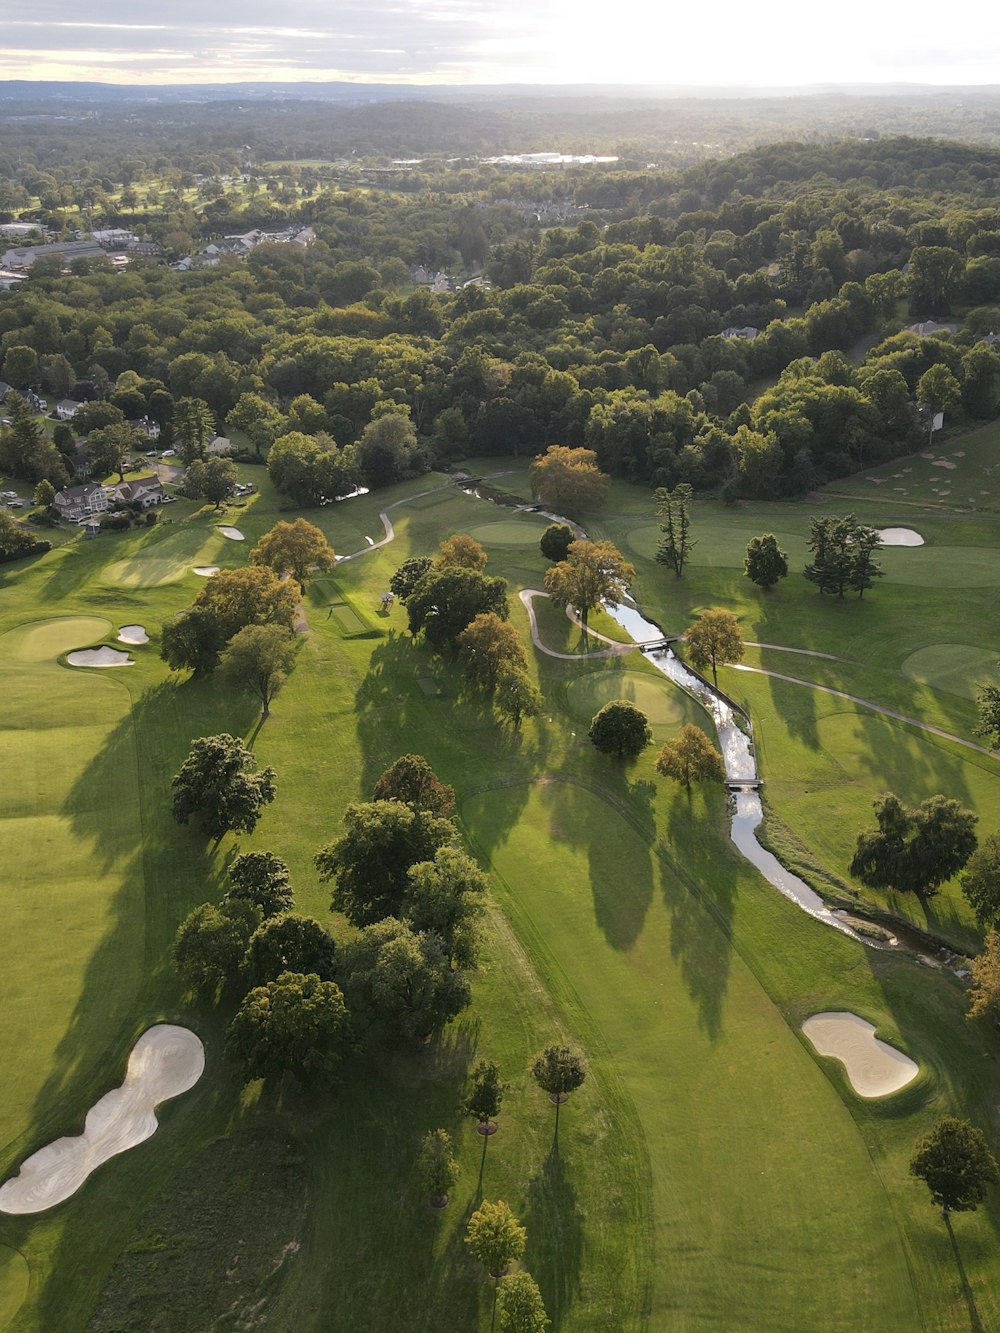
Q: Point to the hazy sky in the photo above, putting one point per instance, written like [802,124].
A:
[771,42]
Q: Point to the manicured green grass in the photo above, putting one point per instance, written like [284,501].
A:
[712,1167]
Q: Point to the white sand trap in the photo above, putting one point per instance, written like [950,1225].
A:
[164,1062]
[944,462]
[206,571]
[234,534]
[874,1068]
[99,657]
[133,634]
[899,537]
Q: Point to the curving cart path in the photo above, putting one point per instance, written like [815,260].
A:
[866,703]
[527,596]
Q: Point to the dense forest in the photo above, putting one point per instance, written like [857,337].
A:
[740,325]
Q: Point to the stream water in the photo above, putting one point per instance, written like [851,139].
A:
[741,770]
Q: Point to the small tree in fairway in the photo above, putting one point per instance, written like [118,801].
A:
[559,1070]
[257,660]
[620,729]
[915,848]
[521,1307]
[296,1024]
[555,541]
[691,757]
[437,1166]
[485,1095]
[955,1164]
[714,640]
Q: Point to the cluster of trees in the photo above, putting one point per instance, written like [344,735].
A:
[618,339]
[16,541]
[242,620]
[915,849]
[461,609]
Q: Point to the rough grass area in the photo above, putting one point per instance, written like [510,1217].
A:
[218,1242]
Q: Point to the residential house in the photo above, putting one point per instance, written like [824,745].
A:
[33,400]
[4,390]
[145,426]
[66,409]
[146,491]
[78,502]
[748,332]
[928,328]
[218,444]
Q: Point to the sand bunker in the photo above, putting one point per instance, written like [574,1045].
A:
[164,1062]
[233,534]
[206,571]
[899,537]
[943,462]
[874,1068]
[99,657]
[133,634]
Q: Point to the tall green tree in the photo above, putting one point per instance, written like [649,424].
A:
[592,573]
[220,786]
[487,647]
[296,1024]
[212,479]
[194,426]
[559,1071]
[984,991]
[485,1095]
[568,480]
[937,389]
[261,878]
[843,554]
[411,779]
[437,1165]
[257,659]
[555,541]
[690,757]
[370,862]
[915,848]
[516,697]
[298,548]
[446,600]
[211,942]
[955,1163]
[765,562]
[988,702]
[520,1305]
[621,729]
[251,596]
[192,640]
[495,1237]
[714,640]
[981,882]
[288,942]
[676,544]
[445,897]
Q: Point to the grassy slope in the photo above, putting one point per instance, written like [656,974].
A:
[630,1225]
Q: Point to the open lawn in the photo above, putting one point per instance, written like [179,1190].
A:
[713,1172]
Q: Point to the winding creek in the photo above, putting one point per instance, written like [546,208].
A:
[735,742]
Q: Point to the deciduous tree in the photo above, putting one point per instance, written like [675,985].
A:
[294,548]
[555,541]
[211,942]
[370,862]
[445,896]
[192,640]
[984,993]
[569,480]
[487,647]
[520,1305]
[620,729]
[212,479]
[486,1092]
[592,573]
[988,701]
[714,640]
[401,982]
[981,882]
[691,757]
[765,562]
[251,596]
[495,1237]
[915,848]
[955,1164]
[516,697]
[261,878]
[219,784]
[437,1165]
[288,942]
[462,551]
[297,1024]
[258,659]
[446,600]
[411,779]
[408,575]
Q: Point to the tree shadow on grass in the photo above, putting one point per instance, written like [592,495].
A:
[700,897]
[554,1252]
[976,1324]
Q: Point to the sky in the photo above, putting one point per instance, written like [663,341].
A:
[772,43]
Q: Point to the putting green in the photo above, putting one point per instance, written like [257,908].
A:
[510,532]
[958,668]
[14,1277]
[44,640]
[656,699]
